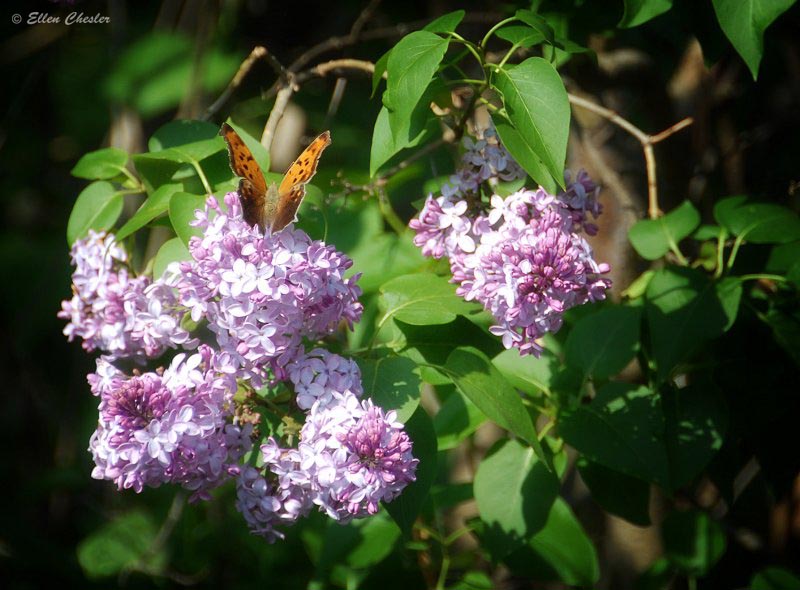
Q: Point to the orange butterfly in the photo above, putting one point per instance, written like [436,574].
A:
[273,206]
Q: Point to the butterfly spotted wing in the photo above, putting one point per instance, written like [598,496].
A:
[271,207]
[252,186]
[293,186]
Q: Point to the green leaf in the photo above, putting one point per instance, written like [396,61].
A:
[118,545]
[561,551]
[683,309]
[652,238]
[618,493]
[411,66]
[622,429]
[759,223]
[181,211]
[446,23]
[537,106]
[422,299]
[527,372]
[638,12]
[389,138]
[190,153]
[514,491]
[359,544]
[693,542]
[101,164]
[537,23]
[173,250]
[695,420]
[392,384]
[602,344]
[386,144]
[378,72]
[520,35]
[475,376]
[432,344]
[155,205]
[97,207]
[523,153]
[775,578]
[456,419]
[154,170]
[630,430]
[744,23]
[404,509]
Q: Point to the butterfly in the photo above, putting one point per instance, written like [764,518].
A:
[272,207]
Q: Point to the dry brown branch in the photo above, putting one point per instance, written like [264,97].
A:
[258,52]
[647,142]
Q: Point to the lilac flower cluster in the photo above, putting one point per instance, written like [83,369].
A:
[172,426]
[351,455]
[261,294]
[115,312]
[522,257]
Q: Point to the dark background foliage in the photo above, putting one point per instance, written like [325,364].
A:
[69,90]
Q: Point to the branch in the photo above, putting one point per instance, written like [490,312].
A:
[647,141]
[276,114]
[259,52]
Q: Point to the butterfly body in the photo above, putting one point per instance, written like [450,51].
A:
[272,206]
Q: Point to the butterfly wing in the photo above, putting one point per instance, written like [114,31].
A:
[252,186]
[293,186]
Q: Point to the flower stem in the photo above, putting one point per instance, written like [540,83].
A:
[494,29]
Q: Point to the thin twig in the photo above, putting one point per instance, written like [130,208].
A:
[335,66]
[647,142]
[259,52]
[341,82]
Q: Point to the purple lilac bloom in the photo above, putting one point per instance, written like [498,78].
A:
[261,294]
[172,426]
[356,456]
[115,312]
[322,376]
[524,258]
[275,496]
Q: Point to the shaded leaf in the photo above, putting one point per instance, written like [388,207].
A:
[514,491]
[561,551]
[602,344]
[118,545]
[475,376]
[456,419]
[155,205]
[618,493]
[404,509]
[693,542]
[683,309]
[638,12]
[759,223]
